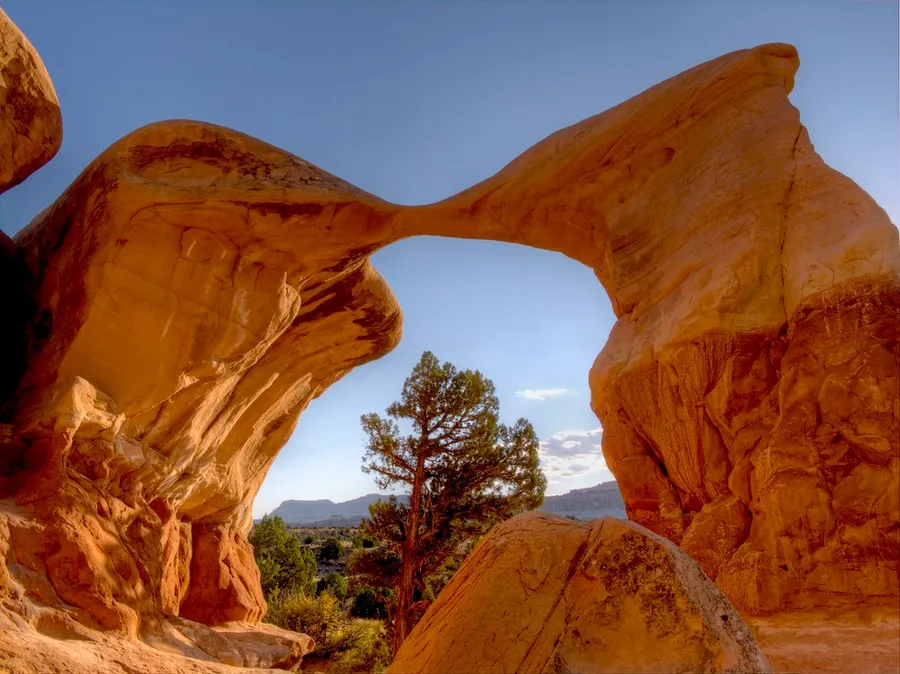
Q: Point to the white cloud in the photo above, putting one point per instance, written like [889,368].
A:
[541,393]
[573,443]
[573,459]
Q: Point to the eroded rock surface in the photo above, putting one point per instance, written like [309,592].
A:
[195,288]
[30,135]
[30,120]
[207,287]
[605,597]
[750,389]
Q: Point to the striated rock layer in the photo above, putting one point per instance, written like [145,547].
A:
[195,288]
[605,597]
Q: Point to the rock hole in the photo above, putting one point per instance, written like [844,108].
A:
[44,325]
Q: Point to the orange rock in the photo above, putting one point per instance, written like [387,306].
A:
[185,648]
[605,597]
[754,364]
[195,288]
[30,121]
[30,135]
[197,323]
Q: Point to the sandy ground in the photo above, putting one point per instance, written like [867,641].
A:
[863,642]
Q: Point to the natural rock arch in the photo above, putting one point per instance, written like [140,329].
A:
[195,288]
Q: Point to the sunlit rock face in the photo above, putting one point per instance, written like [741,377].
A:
[608,596]
[30,123]
[194,289]
[749,389]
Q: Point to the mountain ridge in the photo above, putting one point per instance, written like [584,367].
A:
[586,503]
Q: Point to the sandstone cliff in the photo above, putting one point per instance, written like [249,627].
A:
[195,288]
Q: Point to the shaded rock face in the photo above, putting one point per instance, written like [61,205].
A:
[30,135]
[195,288]
[609,596]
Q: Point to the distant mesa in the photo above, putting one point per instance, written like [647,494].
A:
[591,503]
[602,500]
[324,512]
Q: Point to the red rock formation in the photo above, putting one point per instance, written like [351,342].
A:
[748,390]
[30,123]
[195,288]
[605,597]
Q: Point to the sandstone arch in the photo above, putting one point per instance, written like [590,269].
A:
[195,288]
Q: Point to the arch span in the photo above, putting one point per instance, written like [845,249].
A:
[196,288]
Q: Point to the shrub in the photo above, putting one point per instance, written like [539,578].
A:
[372,652]
[362,541]
[284,565]
[320,617]
[331,549]
[335,584]
[370,603]
[308,540]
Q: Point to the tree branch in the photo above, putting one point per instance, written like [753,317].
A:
[389,474]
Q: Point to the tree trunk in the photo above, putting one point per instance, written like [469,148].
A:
[405,593]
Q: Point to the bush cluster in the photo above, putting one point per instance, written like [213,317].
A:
[349,645]
[284,564]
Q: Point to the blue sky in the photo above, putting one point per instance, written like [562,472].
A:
[415,101]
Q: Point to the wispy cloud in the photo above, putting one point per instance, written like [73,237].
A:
[541,393]
[569,458]
[573,443]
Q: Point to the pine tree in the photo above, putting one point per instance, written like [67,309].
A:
[464,472]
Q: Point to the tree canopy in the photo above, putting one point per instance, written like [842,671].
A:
[464,470]
[284,564]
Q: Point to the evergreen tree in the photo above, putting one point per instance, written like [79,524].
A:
[463,469]
[284,564]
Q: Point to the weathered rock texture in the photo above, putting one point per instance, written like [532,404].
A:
[750,389]
[30,135]
[30,121]
[195,288]
[605,597]
[60,648]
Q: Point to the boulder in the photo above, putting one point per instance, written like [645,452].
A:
[30,120]
[544,594]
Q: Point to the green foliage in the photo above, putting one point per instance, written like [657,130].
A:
[320,617]
[370,602]
[284,565]
[378,567]
[371,653]
[308,540]
[438,579]
[335,584]
[331,549]
[465,472]
[361,541]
